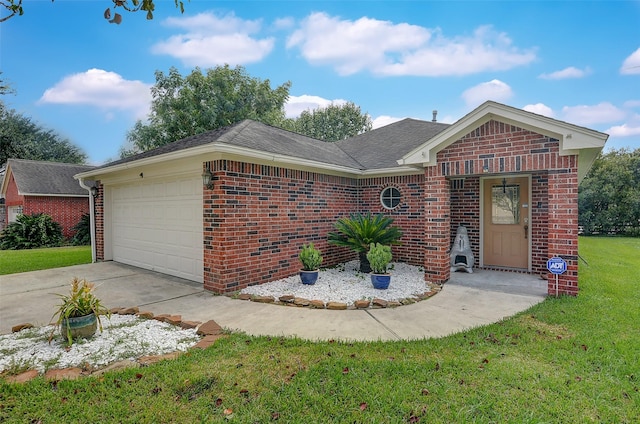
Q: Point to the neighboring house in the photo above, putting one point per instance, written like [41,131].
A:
[31,187]
[510,176]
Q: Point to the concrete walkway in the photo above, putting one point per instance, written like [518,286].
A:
[466,301]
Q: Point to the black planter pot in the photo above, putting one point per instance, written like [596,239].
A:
[365,266]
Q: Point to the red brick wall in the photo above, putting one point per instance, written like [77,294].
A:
[66,211]
[257,217]
[465,210]
[11,197]
[408,215]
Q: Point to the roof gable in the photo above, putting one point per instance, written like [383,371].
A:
[39,178]
[573,139]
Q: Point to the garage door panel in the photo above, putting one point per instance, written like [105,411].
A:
[158,226]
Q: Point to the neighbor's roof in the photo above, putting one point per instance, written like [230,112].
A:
[38,178]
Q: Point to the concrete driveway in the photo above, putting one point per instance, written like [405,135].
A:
[466,301]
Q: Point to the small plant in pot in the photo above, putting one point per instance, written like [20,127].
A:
[311,260]
[78,315]
[379,257]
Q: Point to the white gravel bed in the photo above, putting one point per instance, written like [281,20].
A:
[123,337]
[346,284]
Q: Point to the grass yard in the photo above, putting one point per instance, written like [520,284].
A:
[570,360]
[13,261]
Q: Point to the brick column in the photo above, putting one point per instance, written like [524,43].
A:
[563,225]
[99,221]
[437,226]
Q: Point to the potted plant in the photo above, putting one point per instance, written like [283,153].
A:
[358,231]
[311,260]
[78,315]
[379,257]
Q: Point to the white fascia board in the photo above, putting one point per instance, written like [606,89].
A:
[400,170]
[217,148]
[53,195]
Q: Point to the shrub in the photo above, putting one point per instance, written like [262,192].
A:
[358,231]
[310,257]
[379,257]
[30,232]
[82,237]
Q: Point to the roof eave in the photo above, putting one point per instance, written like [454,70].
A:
[220,148]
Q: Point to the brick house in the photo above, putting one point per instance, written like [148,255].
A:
[510,176]
[31,187]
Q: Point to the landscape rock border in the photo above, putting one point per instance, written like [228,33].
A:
[209,331]
[376,303]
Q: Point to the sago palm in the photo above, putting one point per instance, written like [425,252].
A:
[358,231]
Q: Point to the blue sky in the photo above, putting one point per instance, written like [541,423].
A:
[89,80]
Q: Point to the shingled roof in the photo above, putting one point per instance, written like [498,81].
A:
[259,137]
[46,178]
[382,147]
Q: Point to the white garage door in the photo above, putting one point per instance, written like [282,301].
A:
[157,225]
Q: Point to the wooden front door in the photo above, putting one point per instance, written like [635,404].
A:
[506,222]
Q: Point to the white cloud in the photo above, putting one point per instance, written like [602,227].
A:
[631,65]
[592,114]
[386,48]
[624,130]
[631,104]
[102,89]
[492,90]
[284,23]
[297,104]
[566,73]
[540,109]
[384,120]
[210,40]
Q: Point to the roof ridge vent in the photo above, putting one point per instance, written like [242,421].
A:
[435,114]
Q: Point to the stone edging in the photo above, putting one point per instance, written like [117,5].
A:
[210,331]
[291,300]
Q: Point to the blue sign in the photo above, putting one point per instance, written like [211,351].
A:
[556,265]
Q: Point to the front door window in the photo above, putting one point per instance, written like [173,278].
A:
[505,204]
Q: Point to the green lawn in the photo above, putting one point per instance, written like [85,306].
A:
[12,261]
[566,360]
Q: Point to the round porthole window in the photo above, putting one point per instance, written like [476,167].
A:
[390,197]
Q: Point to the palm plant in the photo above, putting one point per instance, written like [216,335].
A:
[358,231]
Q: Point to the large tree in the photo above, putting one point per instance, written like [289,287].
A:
[11,8]
[21,138]
[332,123]
[609,196]
[199,102]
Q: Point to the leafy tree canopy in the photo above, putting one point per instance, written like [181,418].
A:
[20,138]
[333,123]
[204,101]
[609,196]
[11,8]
